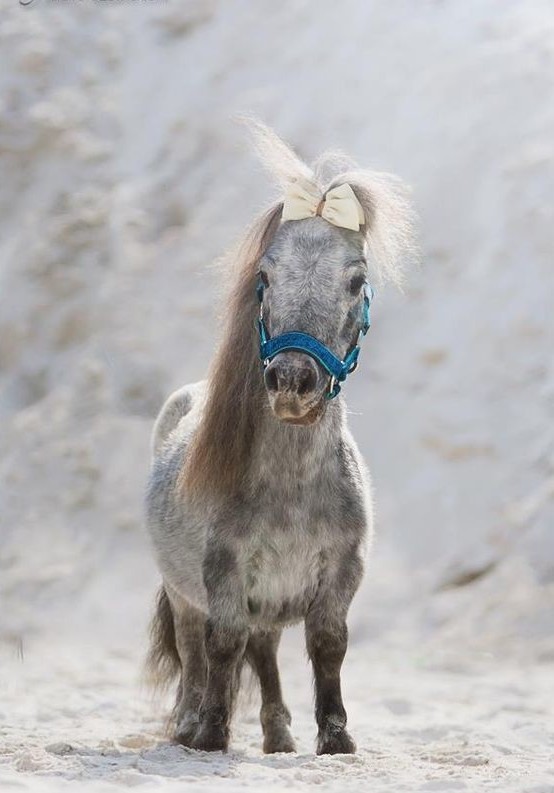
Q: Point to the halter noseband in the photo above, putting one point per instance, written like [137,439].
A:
[303,342]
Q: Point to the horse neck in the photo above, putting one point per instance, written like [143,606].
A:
[283,450]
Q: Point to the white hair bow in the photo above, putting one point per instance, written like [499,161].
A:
[339,206]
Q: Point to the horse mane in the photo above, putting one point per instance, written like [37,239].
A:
[386,200]
[219,451]
[389,224]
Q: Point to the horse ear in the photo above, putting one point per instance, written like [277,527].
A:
[275,155]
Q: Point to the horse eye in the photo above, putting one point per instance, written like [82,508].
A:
[356,284]
[265,279]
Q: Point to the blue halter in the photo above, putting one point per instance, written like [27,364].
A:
[303,342]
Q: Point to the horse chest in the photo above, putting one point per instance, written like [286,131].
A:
[283,572]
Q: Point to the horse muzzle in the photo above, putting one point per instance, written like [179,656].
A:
[295,387]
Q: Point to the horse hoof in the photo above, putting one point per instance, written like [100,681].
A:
[211,738]
[280,741]
[186,733]
[335,743]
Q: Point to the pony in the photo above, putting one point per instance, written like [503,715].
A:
[259,504]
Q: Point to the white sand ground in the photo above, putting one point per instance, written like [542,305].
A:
[420,724]
[122,177]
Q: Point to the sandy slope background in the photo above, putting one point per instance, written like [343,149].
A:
[122,178]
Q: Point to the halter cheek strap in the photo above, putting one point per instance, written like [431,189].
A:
[303,342]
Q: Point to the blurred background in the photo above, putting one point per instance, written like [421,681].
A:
[124,176]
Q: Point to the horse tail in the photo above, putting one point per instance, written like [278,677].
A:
[162,662]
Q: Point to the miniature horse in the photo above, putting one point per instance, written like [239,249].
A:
[259,503]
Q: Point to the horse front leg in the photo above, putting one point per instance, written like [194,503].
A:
[226,635]
[327,648]
[327,641]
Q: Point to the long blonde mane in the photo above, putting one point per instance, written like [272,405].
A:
[219,449]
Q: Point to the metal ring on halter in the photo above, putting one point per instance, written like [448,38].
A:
[332,384]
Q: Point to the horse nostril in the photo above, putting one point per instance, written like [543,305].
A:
[307,381]
[298,379]
[271,379]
